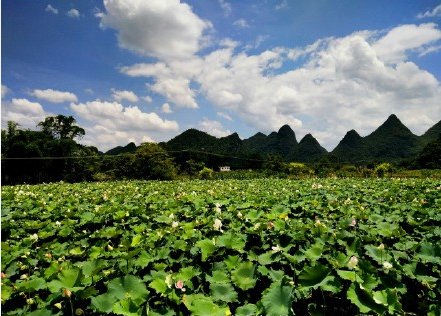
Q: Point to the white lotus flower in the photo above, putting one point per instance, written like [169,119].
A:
[34,237]
[276,249]
[387,265]
[353,262]
[175,224]
[218,224]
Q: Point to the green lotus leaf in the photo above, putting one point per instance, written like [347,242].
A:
[246,310]
[127,308]
[200,305]
[104,303]
[375,253]
[364,300]
[159,285]
[40,312]
[136,240]
[278,300]
[429,252]
[33,285]
[243,275]
[218,277]
[144,259]
[128,286]
[67,279]
[207,248]
[232,240]
[276,275]
[187,273]
[315,276]
[223,292]
[347,275]
[265,258]
[315,251]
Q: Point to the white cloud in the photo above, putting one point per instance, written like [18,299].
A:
[226,7]
[51,9]
[282,5]
[73,13]
[225,116]
[399,41]
[171,82]
[54,96]
[119,95]
[111,124]
[213,128]
[5,90]
[241,23]
[430,14]
[166,29]
[166,108]
[337,84]
[147,99]
[24,112]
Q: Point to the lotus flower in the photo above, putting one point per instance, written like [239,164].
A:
[353,262]
[387,265]
[180,285]
[218,224]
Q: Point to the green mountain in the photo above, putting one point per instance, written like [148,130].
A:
[280,143]
[129,148]
[308,150]
[392,141]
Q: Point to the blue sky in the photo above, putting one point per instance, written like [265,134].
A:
[133,70]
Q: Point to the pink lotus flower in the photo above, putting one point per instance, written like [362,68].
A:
[67,293]
[180,285]
[353,222]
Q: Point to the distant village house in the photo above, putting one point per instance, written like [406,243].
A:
[224,168]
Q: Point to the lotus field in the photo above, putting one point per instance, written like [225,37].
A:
[249,247]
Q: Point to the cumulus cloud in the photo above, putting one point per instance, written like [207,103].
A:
[24,112]
[401,40]
[213,128]
[338,84]
[166,29]
[73,13]
[54,96]
[166,108]
[111,124]
[119,95]
[173,82]
[51,9]
[431,13]
[5,90]
[148,99]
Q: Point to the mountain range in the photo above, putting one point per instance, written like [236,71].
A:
[392,141]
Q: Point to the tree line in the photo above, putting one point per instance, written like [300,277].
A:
[52,154]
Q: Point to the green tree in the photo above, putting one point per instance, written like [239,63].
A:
[206,173]
[299,169]
[430,156]
[382,169]
[61,127]
[153,162]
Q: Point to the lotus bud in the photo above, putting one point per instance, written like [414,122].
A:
[353,262]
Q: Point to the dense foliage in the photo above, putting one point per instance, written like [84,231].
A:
[270,247]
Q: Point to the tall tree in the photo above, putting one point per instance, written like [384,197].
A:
[61,127]
[153,162]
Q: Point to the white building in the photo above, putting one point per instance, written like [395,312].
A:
[224,168]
